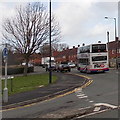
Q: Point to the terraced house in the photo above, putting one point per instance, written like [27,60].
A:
[67,55]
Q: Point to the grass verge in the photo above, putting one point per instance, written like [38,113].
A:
[26,83]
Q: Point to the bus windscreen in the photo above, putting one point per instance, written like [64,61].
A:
[99,58]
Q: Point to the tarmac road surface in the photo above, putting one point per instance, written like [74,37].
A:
[104,89]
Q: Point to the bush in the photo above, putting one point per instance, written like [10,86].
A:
[16,69]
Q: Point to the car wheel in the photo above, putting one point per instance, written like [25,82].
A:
[69,70]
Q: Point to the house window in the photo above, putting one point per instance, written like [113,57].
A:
[118,51]
[113,51]
[64,56]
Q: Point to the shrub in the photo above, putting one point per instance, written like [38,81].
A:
[16,69]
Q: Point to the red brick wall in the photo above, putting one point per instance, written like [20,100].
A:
[113,46]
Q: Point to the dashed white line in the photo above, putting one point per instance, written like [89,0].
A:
[91,101]
[83,97]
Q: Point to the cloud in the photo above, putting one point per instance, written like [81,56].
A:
[6,11]
[97,30]
[84,21]
[72,16]
[80,20]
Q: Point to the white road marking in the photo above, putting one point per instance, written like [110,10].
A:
[96,109]
[83,97]
[91,114]
[80,94]
[106,104]
[91,101]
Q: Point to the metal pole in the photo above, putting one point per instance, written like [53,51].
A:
[115,29]
[116,45]
[50,72]
[115,41]
[11,85]
[108,48]
[6,73]
[5,91]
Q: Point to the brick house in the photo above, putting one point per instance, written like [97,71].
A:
[114,52]
[67,55]
[35,59]
[70,55]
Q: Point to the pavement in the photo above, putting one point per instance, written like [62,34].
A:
[64,84]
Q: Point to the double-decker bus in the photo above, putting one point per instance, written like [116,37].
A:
[92,58]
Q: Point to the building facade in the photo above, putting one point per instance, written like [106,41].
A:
[67,55]
[114,52]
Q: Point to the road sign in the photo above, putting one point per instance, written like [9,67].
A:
[5,52]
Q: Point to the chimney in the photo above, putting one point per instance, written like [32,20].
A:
[117,38]
[83,44]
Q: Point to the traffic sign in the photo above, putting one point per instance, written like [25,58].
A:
[5,52]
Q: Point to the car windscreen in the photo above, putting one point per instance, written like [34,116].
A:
[64,65]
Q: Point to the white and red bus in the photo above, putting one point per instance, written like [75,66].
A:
[92,58]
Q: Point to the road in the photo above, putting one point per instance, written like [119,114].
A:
[104,89]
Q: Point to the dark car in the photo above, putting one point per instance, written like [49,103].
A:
[63,68]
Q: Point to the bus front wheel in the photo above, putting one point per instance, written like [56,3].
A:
[88,71]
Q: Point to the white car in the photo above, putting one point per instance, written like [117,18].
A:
[29,64]
[72,65]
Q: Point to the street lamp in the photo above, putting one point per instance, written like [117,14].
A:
[115,38]
[115,25]
[50,72]
[108,48]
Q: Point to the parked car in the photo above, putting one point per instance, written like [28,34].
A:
[72,65]
[53,68]
[63,68]
[29,64]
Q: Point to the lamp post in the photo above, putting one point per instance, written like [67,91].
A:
[115,38]
[108,48]
[50,72]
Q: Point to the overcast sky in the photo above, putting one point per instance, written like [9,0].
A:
[80,22]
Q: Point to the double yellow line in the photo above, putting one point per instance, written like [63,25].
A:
[58,96]
[86,77]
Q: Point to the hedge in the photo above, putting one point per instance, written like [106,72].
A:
[16,70]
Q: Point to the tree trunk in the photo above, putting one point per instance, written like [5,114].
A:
[26,67]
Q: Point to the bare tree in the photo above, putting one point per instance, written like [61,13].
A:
[44,50]
[59,47]
[29,29]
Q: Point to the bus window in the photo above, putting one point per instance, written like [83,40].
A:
[85,49]
[98,48]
